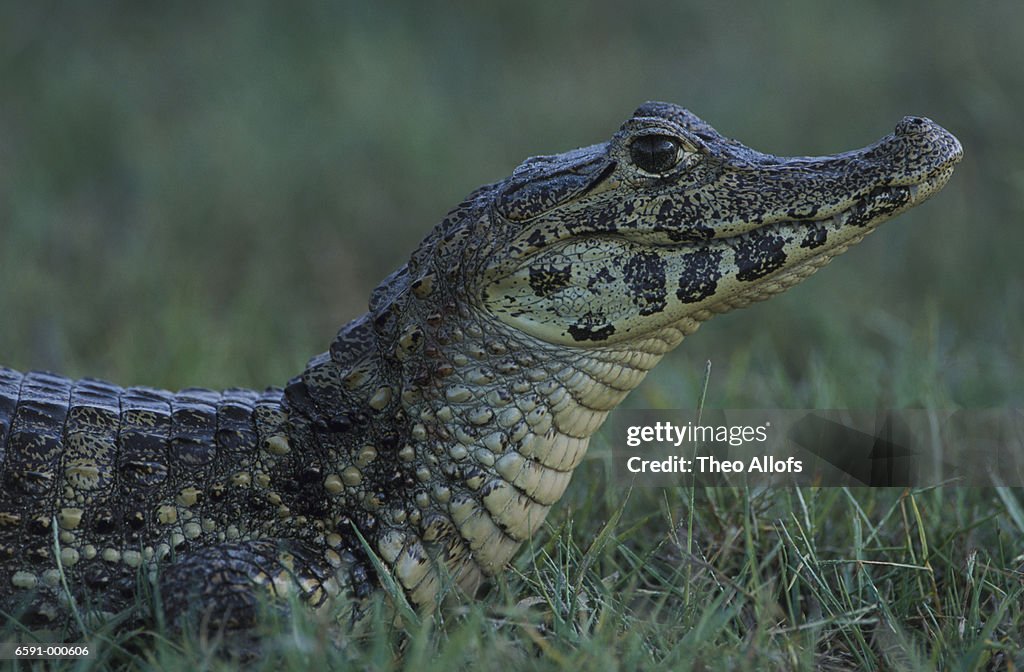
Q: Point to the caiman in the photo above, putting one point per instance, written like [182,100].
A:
[434,435]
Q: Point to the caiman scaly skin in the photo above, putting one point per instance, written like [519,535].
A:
[443,424]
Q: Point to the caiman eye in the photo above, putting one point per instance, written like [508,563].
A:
[654,153]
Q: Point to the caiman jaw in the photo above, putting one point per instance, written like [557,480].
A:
[812,243]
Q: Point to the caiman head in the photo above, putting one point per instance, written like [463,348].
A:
[531,311]
[670,222]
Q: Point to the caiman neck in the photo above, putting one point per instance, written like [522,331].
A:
[497,421]
[492,421]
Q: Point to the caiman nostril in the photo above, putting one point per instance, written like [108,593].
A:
[913,125]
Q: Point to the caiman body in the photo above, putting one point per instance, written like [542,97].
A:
[443,424]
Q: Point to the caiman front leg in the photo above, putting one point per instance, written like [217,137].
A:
[223,586]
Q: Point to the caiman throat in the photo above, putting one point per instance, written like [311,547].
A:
[441,426]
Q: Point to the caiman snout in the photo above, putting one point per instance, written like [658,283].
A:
[925,130]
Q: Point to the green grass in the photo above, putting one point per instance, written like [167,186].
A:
[802,579]
[202,196]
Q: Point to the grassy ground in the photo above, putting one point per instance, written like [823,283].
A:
[798,579]
[201,196]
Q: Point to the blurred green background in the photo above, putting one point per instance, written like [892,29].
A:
[202,194]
